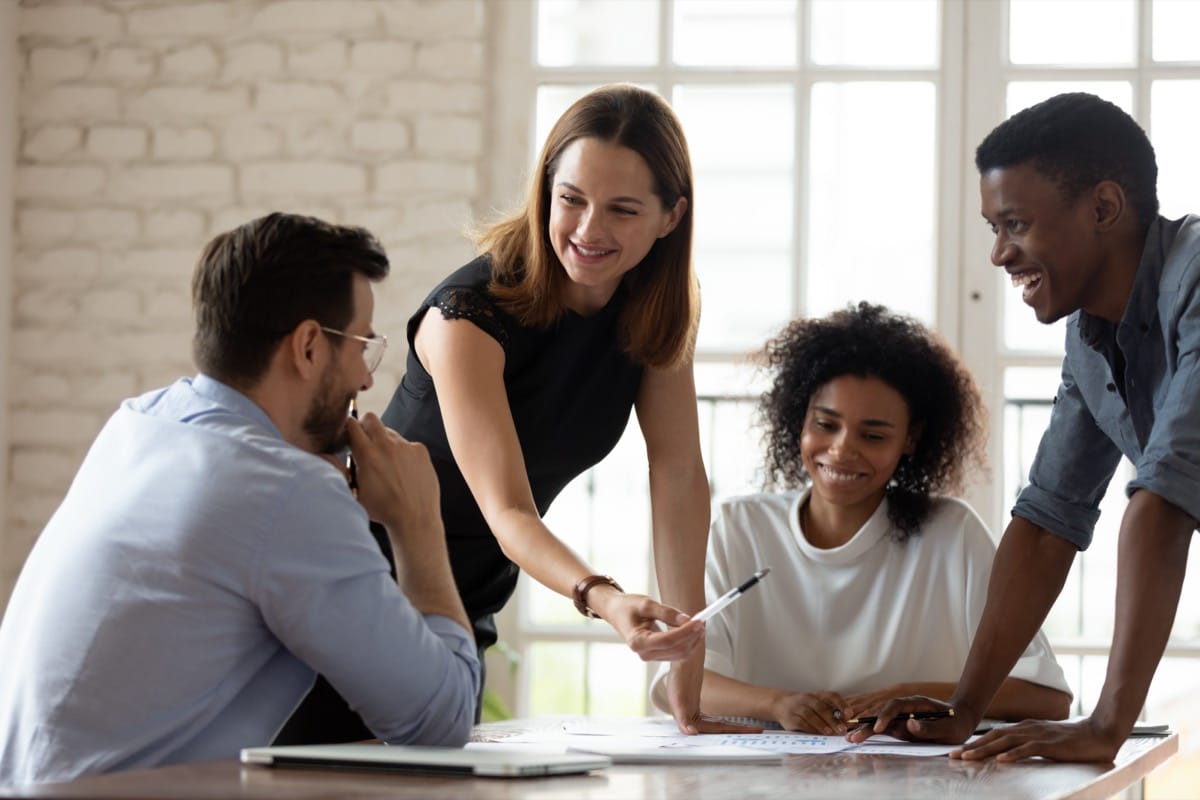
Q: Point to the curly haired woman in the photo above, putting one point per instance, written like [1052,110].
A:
[877,580]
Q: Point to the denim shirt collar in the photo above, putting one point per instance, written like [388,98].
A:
[1142,306]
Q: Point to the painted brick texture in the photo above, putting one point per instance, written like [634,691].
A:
[146,128]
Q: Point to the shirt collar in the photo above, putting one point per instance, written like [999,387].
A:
[877,528]
[227,397]
[1143,295]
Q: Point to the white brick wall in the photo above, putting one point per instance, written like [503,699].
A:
[10,554]
[145,128]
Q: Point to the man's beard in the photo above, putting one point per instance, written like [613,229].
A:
[325,420]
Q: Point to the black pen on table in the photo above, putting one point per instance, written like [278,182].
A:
[917,715]
[351,469]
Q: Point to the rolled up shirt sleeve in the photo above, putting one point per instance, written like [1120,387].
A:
[1170,463]
[325,591]
[1074,463]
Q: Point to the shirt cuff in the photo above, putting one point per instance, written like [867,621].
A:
[1071,522]
[1170,483]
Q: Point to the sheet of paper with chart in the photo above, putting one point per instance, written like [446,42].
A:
[658,737]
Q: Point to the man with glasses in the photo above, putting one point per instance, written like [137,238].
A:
[209,558]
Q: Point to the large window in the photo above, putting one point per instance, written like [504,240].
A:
[832,142]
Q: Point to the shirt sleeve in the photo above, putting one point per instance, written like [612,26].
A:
[324,590]
[1170,463]
[1075,461]
[457,302]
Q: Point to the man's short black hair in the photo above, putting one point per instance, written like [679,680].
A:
[256,283]
[1078,140]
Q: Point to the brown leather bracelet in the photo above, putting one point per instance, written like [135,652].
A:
[585,586]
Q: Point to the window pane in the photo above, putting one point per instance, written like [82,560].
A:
[1173,699]
[620,531]
[1173,107]
[1090,672]
[616,681]
[1023,94]
[731,445]
[571,519]
[1022,331]
[555,678]
[740,378]
[1187,619]
[552,101]
[604,515]
[1028,396]
[744,297]
[744,212]
[575,33]
[898,33]
[1175,25]
[1072,32]
[745,33]
[871,198]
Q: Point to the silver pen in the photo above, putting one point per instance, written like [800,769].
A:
[717,605]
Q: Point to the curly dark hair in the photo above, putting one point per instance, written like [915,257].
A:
[1077,140]
[869,341]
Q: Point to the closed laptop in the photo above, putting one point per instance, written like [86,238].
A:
[425,760]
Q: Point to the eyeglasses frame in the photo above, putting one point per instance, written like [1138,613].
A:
[377,339]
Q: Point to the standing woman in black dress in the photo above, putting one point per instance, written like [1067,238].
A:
[524,365]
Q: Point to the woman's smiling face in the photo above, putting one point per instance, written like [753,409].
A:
[604,218]
[854,434]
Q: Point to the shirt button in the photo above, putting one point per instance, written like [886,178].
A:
[1112,387]
[1144,328]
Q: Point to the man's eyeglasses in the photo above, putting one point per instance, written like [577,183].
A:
[373,346]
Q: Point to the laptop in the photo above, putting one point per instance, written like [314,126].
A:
[425,760]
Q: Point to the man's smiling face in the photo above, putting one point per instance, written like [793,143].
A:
[1045,240]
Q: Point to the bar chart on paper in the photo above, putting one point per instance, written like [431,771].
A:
[788,742]
[784,741]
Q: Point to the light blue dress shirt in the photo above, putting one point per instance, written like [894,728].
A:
[196,577]
[1150,413]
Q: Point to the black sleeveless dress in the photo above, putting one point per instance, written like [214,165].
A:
[570,389]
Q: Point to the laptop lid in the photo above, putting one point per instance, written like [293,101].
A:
[425,760]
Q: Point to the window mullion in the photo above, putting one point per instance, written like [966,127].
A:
[800,159]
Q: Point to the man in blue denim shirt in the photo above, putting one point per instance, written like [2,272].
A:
[1068,188]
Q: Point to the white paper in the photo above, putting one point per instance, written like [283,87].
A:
[650,735]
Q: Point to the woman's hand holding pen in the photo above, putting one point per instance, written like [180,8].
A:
[636,618]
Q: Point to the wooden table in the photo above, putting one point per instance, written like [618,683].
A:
[808,776]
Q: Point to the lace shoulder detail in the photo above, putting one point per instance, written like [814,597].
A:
[456,302]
